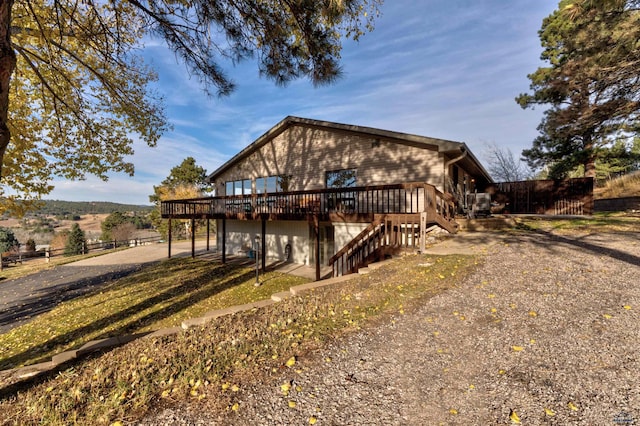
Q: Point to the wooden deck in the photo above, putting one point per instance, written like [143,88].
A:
[357,204]
[398,216]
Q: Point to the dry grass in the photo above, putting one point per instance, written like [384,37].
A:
[625,186]
[209,363]
[599,222]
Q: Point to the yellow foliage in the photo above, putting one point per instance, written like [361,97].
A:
[514,417]
[291,362]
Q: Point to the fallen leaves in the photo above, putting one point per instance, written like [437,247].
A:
[513,416]
[285,388]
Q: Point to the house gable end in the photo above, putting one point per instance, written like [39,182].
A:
[306,149]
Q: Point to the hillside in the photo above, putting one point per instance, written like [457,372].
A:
[80,208]
[55,216]
[624,186]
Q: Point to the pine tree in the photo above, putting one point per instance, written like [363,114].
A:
[8,240]
[76,241]
[590,83]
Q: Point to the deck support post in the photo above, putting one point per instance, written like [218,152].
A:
[224,241]
[193,238]
[423,232]
[208,233]
[169,238]
[316,233]
[263,251]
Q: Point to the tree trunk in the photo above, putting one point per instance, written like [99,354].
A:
[590,161]
[7,65]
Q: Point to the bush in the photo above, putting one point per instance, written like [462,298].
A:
[30,246]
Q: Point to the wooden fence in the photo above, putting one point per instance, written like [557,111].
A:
[617,204]
[555,197]
[14,258]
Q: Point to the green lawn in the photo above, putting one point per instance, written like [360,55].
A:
[159,296]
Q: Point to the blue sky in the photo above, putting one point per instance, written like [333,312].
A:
[439,68]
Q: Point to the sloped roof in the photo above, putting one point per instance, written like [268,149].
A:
[440,145]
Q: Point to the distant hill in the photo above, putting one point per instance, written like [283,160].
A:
[65,208]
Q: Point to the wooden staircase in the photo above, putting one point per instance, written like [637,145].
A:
[385,236]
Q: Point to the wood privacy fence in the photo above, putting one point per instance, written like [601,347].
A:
[555,197]
[617,204]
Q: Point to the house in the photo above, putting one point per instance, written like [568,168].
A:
[324,193]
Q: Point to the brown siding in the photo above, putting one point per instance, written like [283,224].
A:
[307,153]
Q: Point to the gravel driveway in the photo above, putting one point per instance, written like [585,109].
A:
[546,331]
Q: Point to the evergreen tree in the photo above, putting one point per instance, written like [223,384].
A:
[76,241]
[112,221]
[591,83]
[8,240]
[187,180]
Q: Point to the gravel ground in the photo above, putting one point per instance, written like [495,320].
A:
[545,332]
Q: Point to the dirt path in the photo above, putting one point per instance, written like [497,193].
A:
[544,332]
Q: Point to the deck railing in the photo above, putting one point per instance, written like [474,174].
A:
[407,198]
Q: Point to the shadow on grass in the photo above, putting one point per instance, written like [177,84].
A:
[196,288]
[44,298]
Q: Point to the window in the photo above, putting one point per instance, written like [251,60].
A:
[246,187]
[341,178]
[272,184]
[260,185]
[238,187]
